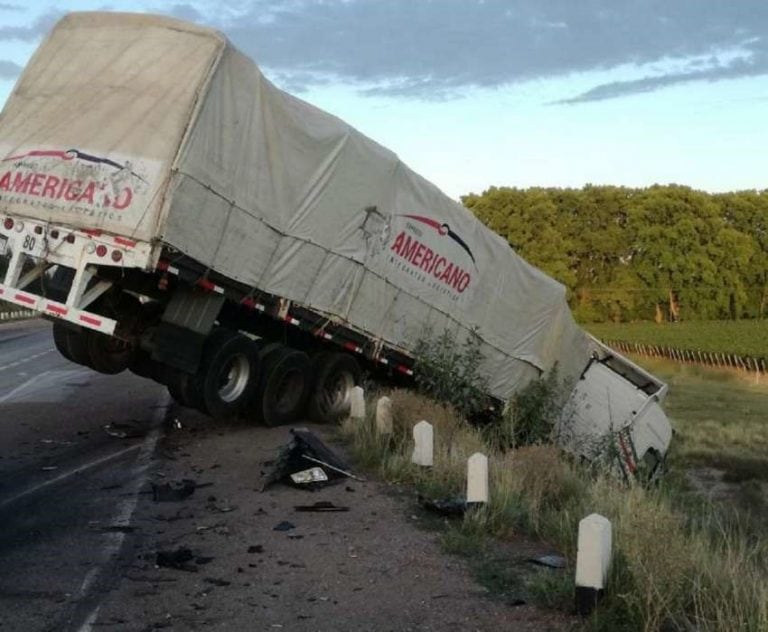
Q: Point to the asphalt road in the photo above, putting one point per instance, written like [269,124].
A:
[66,486]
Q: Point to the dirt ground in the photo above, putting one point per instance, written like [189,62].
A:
[370,568]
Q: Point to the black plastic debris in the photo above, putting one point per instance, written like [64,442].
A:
[550,561]
[173,491]
[256,548]
[284,526]
[321,506]
[126,429]
[303,454]
[178,559]
[216,582]
[453,506]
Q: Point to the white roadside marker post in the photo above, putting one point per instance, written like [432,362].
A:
[423,444]
[477,478]
[384,416]
[357,403]
[592,561]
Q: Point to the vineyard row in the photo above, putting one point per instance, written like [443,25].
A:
[706,358]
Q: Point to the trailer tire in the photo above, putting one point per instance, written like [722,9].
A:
[61,340]
[284,386]
[77,347]
[229,377]
[108,354]
[334,376]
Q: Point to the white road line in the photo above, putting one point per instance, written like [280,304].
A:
[25,360]
[21,387]
[65,475]
[127,507]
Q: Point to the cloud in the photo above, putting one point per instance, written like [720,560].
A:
[439,49]
[4,6]
[756,65]
[39,27]
[9,69]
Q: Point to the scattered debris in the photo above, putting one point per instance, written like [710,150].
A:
[178,559]
[125,429]
[216,582]
[256,548]
[322,505]
[452,506]
[284,526]
[173,491]
[114,528]
[224,507]
[49,468]
[312,475]
[304,449]
[551,561]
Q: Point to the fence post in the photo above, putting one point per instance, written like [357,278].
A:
[593,559]
[384,416]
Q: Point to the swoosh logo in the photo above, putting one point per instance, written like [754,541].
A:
[444,230]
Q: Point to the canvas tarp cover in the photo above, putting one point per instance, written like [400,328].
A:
[282,197]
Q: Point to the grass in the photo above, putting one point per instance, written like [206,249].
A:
[673,568]
[720,418]
[740,337]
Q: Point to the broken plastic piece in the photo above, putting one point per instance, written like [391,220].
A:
[551,561]
[169,492]
[454,506]
[322,505]
[303,447]
[284,526]
[312,475]
[178,559]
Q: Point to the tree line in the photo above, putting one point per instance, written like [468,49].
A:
[657,253]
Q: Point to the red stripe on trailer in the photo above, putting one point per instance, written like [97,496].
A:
[93,232]
[291,320]
[206,285]
[404,369]
[25,299]
[122,241]
[61,311]
[163,265]
[2,291]
[248,302]
[351,346]
[627,455]
[91,321]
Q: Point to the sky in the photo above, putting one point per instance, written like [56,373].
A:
[480,93]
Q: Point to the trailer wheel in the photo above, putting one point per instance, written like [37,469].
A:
[60,340]
[335,375]
[77,346]
[284,386]
[108,354]
[230,376]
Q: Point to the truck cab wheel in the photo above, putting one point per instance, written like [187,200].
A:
[284,386]
[334,377]
[228,379]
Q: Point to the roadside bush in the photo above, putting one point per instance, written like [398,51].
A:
[450,372]
[532,414]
